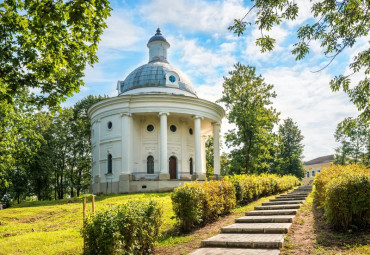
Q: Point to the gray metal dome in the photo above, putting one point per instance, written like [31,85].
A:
[154,75]
[157,37]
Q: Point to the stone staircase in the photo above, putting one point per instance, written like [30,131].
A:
[261,231]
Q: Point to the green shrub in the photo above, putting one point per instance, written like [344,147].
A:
[200,203]
[187,205]
[251,187]
[343,192]
[131,228]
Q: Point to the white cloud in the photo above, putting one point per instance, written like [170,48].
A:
[201,61]
[194,15]
[306,97]
[122,33]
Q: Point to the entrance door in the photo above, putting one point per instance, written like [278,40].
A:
[173,170]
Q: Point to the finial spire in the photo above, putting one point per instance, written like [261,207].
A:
[158,32]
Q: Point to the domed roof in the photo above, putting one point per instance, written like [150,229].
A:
[158,76]
[157,37]
[154,75]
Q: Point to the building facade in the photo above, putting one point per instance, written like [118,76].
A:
[315,166]
[151,137]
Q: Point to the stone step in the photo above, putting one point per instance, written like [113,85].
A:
[276,207]
[285,199]
[284,202]
[272,212]
[234,251]
[266,219]
[271,228]
[269,241]
[292,195]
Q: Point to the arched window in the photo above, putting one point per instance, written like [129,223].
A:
[150,165]
[109,164]
[191,165]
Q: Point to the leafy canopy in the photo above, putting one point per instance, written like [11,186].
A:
[337,25]
[45,45]
[248,98]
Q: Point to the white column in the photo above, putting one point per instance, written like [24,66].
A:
[197,145]
[163,143]
[98,137]
[216,148]
[126,143]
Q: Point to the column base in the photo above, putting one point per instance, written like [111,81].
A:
[199,177]
[217,177]
[162,176]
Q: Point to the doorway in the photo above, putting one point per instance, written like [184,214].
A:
[173,167]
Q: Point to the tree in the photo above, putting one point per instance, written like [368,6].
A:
[209,157]
[247,98]
[354,137]
[47,44]
[291,149]
[336,24]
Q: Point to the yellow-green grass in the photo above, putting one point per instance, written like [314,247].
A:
[53,227]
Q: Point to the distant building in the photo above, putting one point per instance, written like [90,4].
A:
[315,166]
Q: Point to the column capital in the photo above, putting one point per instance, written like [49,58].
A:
[198,117]
[163,113]
[216,123]
[127,114]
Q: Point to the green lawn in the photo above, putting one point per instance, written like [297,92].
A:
[53,227]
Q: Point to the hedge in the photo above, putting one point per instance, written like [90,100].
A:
[200,203]
[131,228]
[344,194]
[251,187]
[197,204]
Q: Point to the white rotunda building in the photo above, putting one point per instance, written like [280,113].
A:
[151,137]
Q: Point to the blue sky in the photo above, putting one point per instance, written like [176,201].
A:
[203,48]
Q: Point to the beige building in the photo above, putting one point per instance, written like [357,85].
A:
[315,166]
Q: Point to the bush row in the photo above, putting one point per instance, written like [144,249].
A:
[200,203]
[251,187]
[131,228]
[344,194]
[197,204]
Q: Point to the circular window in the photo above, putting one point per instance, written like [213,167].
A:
[190,131]
[173,128]
[172,78]
[109,125]
[150,128]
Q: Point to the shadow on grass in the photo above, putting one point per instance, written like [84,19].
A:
[88,198]
[327,236]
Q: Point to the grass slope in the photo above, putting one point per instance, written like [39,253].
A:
[53,227]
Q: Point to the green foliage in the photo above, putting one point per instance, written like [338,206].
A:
[195,204]
[251,187]
[354,137]
[209,157]
[130,228]
[291,149]
[336,25]
[47,45]
[343,192]
[247,98]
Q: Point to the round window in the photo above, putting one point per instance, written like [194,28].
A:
[172,78]
[173,128]
[109,125]
[190,131]
[150,128]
